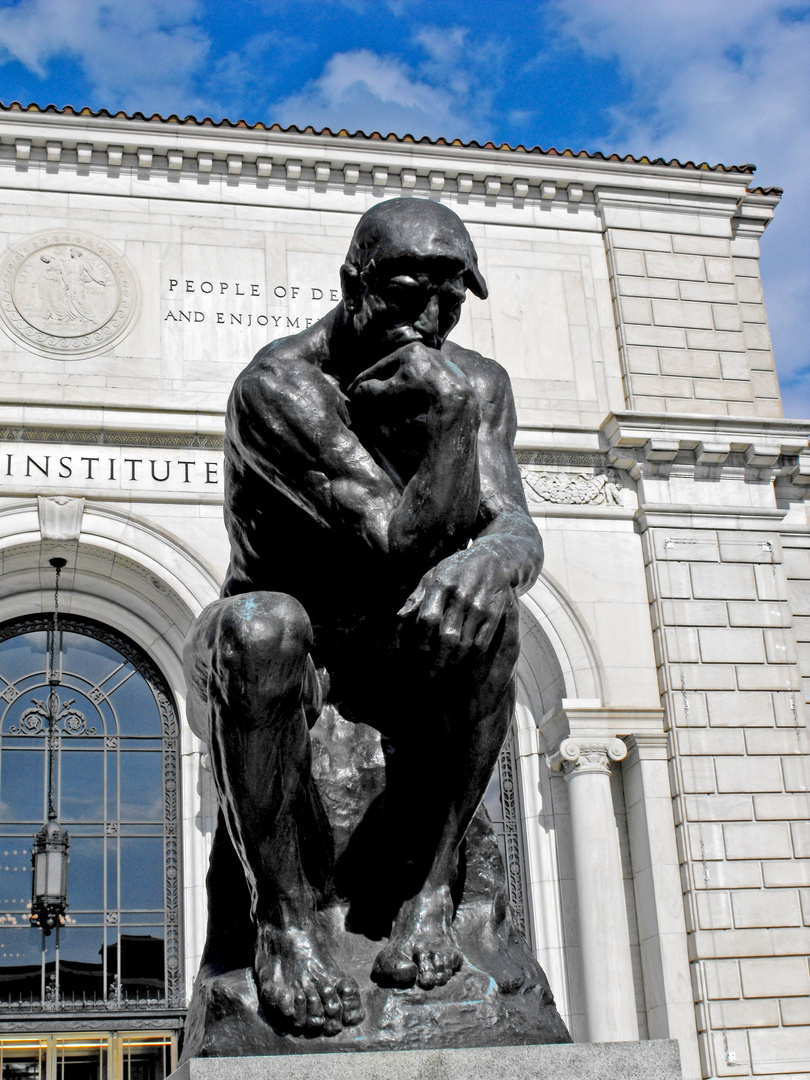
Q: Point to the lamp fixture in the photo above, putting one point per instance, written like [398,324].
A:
[49,854]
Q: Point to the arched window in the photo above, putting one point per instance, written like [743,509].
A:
[115,790]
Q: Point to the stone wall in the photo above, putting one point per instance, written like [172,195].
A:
[726,649]
[691,323]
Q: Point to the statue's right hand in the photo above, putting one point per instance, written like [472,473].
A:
[417,373]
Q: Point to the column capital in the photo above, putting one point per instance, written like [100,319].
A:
[588,720]
[580,755]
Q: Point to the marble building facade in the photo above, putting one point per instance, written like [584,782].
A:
[658,778]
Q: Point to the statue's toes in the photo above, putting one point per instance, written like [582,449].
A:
[281,1000]
[299,1014]
[426,976]
[439,965]
[442,967]
[349,994]
[394,968]
[315,1011]
[330,1010]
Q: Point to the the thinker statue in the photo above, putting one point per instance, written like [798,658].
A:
[355,682]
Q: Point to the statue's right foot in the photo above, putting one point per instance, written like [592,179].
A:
[299,983]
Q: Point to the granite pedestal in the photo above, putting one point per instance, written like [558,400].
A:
[654,1060]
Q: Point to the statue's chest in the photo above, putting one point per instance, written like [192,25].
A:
[398,446]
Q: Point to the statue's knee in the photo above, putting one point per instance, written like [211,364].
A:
[265,629]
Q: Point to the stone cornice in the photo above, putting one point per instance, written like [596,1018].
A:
[62,140]
[761,445]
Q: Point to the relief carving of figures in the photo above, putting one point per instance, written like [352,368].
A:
[67,294]
[66,285]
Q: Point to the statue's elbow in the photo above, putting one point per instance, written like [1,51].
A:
[534,560]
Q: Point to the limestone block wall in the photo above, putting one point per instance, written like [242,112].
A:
[726,646]
[691,323]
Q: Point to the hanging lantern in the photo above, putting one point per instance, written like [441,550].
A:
[49,857]
[49,854]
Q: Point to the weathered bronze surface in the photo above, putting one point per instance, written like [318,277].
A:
[355,682]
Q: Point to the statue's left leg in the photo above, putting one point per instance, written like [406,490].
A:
[451,723]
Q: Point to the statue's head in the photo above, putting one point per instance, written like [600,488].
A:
[407,272]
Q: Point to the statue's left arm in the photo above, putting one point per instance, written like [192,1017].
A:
[458,604]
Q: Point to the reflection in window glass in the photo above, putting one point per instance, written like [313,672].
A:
[136,707]
[81,784]
[86,873]
[22,786]
[141,787]
[141,873]
[122,888]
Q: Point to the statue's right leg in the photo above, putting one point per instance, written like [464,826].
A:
[251,684]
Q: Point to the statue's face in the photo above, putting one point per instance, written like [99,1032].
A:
[408,299]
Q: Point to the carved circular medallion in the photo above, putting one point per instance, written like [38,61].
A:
[66,294]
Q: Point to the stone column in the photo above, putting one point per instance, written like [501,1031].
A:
[605,944]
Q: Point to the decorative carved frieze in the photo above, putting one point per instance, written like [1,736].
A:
[164,440]
[572,489]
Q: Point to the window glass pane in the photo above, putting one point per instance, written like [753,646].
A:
[23,1066]
[95,660]
[85,874]
[141,873]
[146,1057]
[141,786]
[80,961]
[136,708]
[22,784]
[20,962]
[142,963]
[81,1057]
[22,654]
[19,946]
[81,785]
[15,879]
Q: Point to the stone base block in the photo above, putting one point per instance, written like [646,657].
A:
[654,1060]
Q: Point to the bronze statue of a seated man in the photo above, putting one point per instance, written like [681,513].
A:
[379,539]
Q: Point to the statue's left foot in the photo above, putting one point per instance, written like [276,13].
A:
[421,950]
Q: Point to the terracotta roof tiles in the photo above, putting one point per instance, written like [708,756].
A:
[207,121]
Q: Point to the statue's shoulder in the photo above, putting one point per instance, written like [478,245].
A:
[489,378]
[278,369]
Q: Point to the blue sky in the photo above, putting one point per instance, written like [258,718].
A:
[714,80]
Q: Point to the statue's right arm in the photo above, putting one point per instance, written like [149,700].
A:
[287,422]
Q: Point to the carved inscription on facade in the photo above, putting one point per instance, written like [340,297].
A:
[109,471]
[66,294]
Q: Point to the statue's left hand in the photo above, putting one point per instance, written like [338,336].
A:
[458,605]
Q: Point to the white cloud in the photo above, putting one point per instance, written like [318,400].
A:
[134,54]
[721,81]
[360,89]
[448,90]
